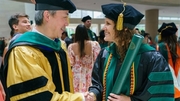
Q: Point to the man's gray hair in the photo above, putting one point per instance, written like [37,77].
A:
[39,16]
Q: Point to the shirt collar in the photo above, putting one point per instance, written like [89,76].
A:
[35,30]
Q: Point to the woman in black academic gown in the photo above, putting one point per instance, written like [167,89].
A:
[149,79]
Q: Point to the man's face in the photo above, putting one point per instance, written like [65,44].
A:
[23,25]
[58,23]
[87,23]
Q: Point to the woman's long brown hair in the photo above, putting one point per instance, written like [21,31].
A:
[81,35]
[123,39]
[171,41]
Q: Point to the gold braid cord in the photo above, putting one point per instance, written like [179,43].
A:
[132,83]
[104,80]
[159,36]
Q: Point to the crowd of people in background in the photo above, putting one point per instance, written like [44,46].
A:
[43,63]
[2,46]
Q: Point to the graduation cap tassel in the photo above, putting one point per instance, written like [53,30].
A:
[119,25]
[159,37]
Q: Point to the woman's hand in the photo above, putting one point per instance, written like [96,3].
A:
[114,97]
[89,96]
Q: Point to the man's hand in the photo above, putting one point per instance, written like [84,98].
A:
[89,96]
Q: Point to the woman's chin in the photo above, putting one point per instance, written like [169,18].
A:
[107,39]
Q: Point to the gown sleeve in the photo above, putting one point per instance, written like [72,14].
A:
[97,74]
[154,79]
[29,77]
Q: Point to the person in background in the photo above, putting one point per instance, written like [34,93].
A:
[142,32]
[82,54]
[87,23]
[2,93]
[178,39]
[65,38]
[36,68]
[2,46]
[101,41]
[170,49]
[19,24]
[149,79]
[73,37]
[150,40]
[146,37]
[137,31]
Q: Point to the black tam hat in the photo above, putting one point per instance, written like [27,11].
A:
[122,14]
[84,19]
[167,29]
[55,5]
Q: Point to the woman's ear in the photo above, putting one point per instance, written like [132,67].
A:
[33,1]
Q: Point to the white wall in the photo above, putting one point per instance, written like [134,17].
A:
[7,8]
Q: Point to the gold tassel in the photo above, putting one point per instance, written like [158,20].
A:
[119,25]
[159,37]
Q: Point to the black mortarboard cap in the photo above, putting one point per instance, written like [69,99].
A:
[131,17]
[167,29]
[55,5]
[84,19]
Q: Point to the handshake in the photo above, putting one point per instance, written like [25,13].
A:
[89,96]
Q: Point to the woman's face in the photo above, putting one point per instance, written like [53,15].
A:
[109,30]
